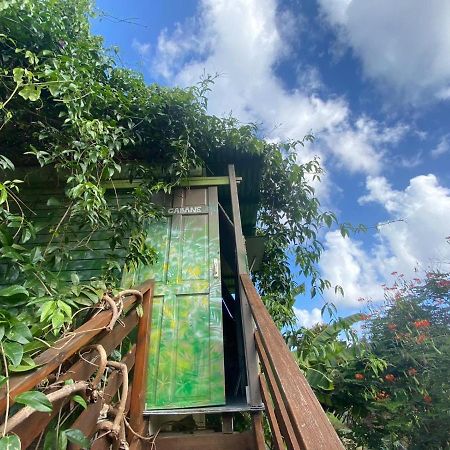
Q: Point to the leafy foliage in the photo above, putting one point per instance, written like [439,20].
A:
[69,107]
[389,389]
[412,333]
[65,105]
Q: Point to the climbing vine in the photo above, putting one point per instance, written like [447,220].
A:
[67,107]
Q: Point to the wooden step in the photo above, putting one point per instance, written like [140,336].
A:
[205,440]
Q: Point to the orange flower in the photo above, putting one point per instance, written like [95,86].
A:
[427,399]
[359,376]
[422,323]
[412,371]
[392,326]
[389,377]
[382,395]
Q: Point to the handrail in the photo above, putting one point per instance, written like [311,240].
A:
[94,336]
[301,420]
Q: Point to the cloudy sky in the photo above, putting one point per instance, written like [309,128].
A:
[370,79]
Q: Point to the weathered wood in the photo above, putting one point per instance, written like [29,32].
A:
[81,370]
[258,430]
[138,389]
[186,182]
[282,415]
[251,357]
[51,359]
[277,438]
[205,441]
[312,428]
[87,420]
[227,423]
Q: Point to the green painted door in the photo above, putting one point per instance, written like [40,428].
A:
[186,344]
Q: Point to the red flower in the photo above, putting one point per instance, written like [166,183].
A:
[412,371]
[389,378]
[422,323]
[359,376]
[427,399]
[443,283]
[392,326]
[394,273]
[365,316]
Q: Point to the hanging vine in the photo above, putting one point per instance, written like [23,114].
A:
[65,105]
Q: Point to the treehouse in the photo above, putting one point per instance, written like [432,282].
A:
[205,344]
[202,358]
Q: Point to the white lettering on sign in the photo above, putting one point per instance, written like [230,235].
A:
[187,210]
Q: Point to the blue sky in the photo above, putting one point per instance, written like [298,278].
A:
[370,79]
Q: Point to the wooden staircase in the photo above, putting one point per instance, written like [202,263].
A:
[114,415]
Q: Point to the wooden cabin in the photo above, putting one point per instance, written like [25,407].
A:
[205,346]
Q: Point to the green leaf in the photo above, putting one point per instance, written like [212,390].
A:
[19,333]
[317,379]
[18,73]
[14,295]
[65,308]
[62,440]
[36,400]
[75,278]
[47,310]
[57,321]
[30,92]
[27,364]
[50,442]
[10,442]
[14,352]
[52,201]
[80,400]
[77,437]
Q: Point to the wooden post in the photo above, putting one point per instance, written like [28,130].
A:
[251,357]
[258,430]
[138,386]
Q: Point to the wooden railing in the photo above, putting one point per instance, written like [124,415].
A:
[77,357]
[295,416]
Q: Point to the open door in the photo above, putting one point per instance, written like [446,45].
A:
[186,363]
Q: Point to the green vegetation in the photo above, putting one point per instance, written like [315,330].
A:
[391,389]
[64,104]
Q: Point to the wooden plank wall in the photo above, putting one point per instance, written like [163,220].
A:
[91,255]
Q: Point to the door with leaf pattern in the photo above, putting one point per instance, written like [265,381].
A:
[186,345]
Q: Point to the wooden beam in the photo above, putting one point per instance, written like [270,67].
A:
[205,441]
[282,416]
[258,430]
[277,438]
[311,426]
[251,357]
[185,182]
[138,388]
[63,349]
[79,371]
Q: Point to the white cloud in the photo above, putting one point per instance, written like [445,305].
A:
[442,147]
[344,262]
[307,318]
[143,48]
[419,219]
[361,148]
[241,41]
[403,43]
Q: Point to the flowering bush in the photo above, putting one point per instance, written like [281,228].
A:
[412,399]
